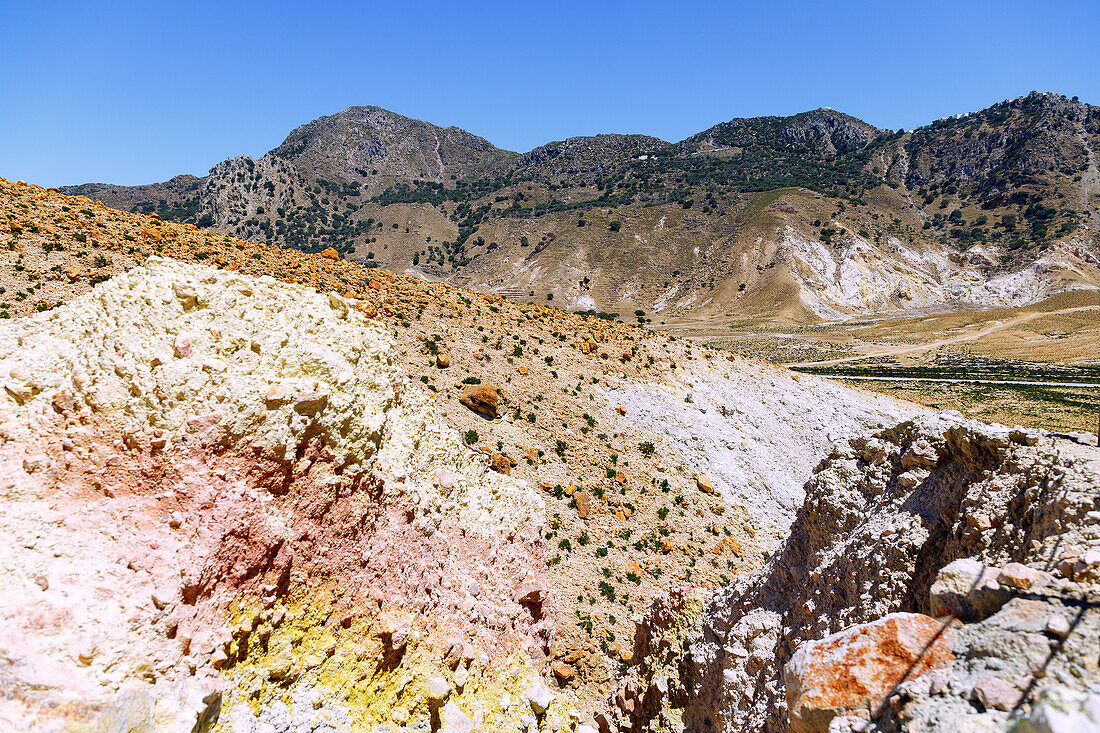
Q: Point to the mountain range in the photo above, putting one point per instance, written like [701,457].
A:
[813,217]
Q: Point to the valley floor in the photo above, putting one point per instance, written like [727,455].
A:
[1037,366]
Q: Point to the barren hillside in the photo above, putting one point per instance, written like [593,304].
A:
[659,462]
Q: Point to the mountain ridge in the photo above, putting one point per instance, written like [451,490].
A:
[786,207]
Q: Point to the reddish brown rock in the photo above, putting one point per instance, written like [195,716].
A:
[856,669]
[500,464]
[1015,575]
[484,399]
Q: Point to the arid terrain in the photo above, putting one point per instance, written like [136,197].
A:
[810,238]
[255,488]
[657,459]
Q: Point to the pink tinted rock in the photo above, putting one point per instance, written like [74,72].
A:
[996,694]
[1015,575]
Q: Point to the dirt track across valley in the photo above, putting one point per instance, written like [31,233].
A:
[910,349]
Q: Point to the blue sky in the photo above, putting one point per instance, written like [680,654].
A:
[136,92]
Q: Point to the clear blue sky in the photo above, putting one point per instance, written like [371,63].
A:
[136,92]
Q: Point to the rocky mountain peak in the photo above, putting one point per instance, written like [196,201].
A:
[364,143]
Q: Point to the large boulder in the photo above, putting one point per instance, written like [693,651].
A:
[484,399]
[854,670]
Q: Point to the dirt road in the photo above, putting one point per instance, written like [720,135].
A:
[962,338]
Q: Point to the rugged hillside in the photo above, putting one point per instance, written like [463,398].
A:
[304,193]
[658,461]
[237,465]
[817,216]
[353,500]
[176,199]
[584,159]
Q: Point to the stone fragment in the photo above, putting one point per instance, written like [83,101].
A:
[540,697]
[856,668]
[484,399]
[500,464]
[311,401]
[921,454]
[330,254]
[438,689]
[996,694]
[912,478]
[454,720]
[967,590]
[563,671]
[1058,625]
[1015,575]
[704,484]
[583,509]
[1087,567]
[394,632]
[442,361]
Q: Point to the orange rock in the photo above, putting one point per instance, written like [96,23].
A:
[563,671]
[704,484]
[857,668]
[484,399]
[330,254]
[583,509]
[501,464]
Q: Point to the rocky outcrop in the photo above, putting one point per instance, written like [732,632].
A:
[221,507]
[935,516]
